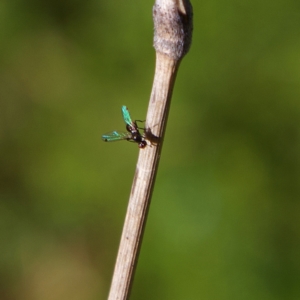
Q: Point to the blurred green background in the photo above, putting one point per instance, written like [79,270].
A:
[224,220]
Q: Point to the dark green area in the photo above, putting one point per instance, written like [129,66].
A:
[224,220]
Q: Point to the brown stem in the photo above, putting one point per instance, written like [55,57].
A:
[172,39]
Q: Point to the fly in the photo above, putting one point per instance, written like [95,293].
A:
[132,134]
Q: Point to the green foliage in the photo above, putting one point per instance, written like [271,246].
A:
[224,218]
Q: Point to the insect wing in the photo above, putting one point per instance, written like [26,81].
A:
[116,136]
[127,118]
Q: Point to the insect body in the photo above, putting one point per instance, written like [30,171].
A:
[132,134]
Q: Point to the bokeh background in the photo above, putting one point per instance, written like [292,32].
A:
[224,221]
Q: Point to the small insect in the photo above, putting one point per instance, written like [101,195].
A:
[132,134]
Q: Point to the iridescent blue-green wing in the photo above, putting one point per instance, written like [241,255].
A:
[126,116]
[116,136]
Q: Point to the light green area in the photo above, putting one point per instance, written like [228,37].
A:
[224,220]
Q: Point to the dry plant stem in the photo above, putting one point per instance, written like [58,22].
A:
[171,43]
[142,184]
